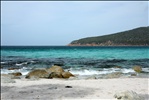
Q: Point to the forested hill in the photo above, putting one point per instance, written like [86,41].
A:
[134,37]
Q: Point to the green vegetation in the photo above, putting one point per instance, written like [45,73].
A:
[138,36]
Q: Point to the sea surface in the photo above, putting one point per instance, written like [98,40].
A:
[78,60]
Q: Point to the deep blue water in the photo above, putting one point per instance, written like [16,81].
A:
[75,58]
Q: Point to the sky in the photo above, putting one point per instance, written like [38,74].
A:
[61,22]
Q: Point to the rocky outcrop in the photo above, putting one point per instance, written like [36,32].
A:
[55,69]
[137,69]
[128,95]
[52,72]
[67,74]
[58,72]
[55,75]
[39,73]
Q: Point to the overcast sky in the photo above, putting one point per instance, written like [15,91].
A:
[60,22]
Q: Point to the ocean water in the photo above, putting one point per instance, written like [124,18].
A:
[79,60]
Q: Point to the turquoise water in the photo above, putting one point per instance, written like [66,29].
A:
[78,52]
[78,60]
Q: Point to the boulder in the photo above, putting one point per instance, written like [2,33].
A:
[55,75]
[55,69]
[67,74]
[128,95]
[137,69]
[16,74]
[40,73]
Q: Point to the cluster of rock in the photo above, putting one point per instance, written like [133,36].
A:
[58,72]
[53,72]
[49,73]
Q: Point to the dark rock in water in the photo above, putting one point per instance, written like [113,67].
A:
[41,73]
[117,60]
[137,69]
[68,86]
[58,64]
[117,67]
[55,69]
[12,68]
[128,95]
[106,66]
[67,74]
[16,74]
[55,75]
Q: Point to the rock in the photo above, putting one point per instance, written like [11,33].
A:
[16,74]
[67,74]
[55,75]
[68,86]
[40,73]
[58,72]
[128,95]
[113,75]
[55,69]
[137,69]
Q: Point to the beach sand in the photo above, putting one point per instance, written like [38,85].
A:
[55,89]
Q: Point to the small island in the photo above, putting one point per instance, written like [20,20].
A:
[135,37]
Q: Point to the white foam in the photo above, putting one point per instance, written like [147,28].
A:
[145,69]
[128,71]
[23,70]
[84,72]
[24,63]
[104,71]
[3,62]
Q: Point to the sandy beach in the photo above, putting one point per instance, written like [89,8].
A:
[63,89]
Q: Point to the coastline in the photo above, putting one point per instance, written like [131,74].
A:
[55,89]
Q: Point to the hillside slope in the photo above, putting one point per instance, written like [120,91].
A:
[138,36]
